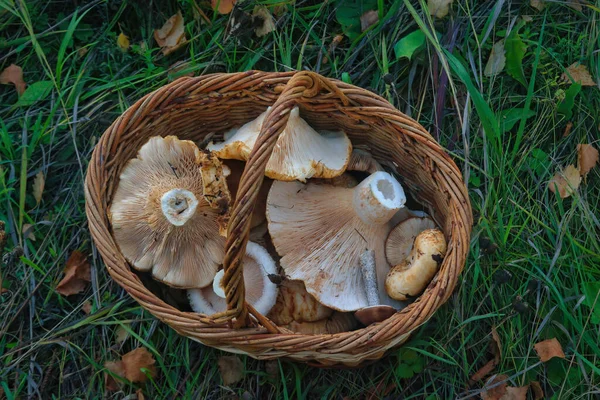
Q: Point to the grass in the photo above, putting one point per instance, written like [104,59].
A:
[533,271]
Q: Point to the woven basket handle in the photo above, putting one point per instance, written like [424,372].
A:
[304,84]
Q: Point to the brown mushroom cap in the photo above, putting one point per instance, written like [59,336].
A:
[336,323]
[161,219]
[400,241]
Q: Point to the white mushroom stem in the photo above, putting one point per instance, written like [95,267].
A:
[178,206]
[369,274]
[378,198]
[217,286]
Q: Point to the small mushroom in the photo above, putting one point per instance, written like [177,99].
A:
[169,207]
[374,312]
[300,152]
[400,241]
[361,160]
[336,323]
[260,291]
[411,276]
[321,230]
[294,303]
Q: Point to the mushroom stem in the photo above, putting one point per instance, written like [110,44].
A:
[378,198]
[217,287]
[178,206]
[369,274]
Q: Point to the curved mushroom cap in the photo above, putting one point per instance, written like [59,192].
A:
[321,230]
[300,152]
[336,323]
[294,303]
[260,291]
[360,160]
[411,276]
[400,241]
[167,211]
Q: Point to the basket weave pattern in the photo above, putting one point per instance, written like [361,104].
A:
[202,107]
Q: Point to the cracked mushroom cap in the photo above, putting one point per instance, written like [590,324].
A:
[300,152]
[400,241]
[321,230]
[167,212]
[260,291]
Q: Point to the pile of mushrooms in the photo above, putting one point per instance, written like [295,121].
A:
[332,246]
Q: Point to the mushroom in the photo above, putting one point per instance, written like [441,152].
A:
[412,275]
[374,312]
[321,230]
[361,160]
[400,241]
[260,291]
[300,152]
[336,323]
[167,212]
[294,303]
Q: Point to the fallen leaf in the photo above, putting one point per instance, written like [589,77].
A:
[439,8]
[496,346]
[568,129]
[515,393]
[538,4]
[27,231]
[497,60]
[368,19]
[567,181]
[337,39]
[587,157]
[409,44]
[139,394]
[13,74]
[566,105]
[131,364]
[87,307]
[232,369]
[496,392]
[262,20]
[37,91]
[116,367]
[272,368]
[483,372]
[575,5]
[38,186]
[3,236]
[77,275]
[121,334]
[579,73]
[548,349]
[527,18]
[538,393]
[172,34]
[223,6]
[82,51]
[123,41]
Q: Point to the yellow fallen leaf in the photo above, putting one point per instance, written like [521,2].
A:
[27,231]
[566,181]
[368,19]
[538,4]
[123,41]
[587,157]
[77,275]
[579,73]
[13,74]
[497,60]
[172,34]
[439,8]
[121,334]
[262,20]
[232,369]
[575,5]
[223,6]
[38,186]
[548,349]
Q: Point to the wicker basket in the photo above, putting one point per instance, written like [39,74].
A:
[193,108]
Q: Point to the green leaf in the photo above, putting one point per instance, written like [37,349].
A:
[346,78]
[538,161]
[591,291]
[36,92]
[348,14]
[508,118]
[515,51]
[409,44]
[566,106]
[409,363]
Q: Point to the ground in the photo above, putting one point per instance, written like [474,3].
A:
[533,270]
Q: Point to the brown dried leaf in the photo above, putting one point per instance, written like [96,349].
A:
[263,21]
[121,334]
[232,369]
[579,73]
[496,392]
[368,19]
[139,394]
[38,186]
[548,349]
[13,74]
[27,231]
[87,307]
[566,181]
[439,8]
[568,129]
[272,368]
[123,41]
[538,4]
[131,365]
[497,60]
[224,6]
[538,393]
[575,5]
[483,372]
[587,157]
[77,275]
[116,367]
[172,34]
[496,346]
[515,393]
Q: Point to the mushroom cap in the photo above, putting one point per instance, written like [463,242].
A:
[260,291]
[300,152]
[361,160]
[168,172]
[294,303]
[411,276]
[373,314]
[320,236]
[336,323]
[400,241]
